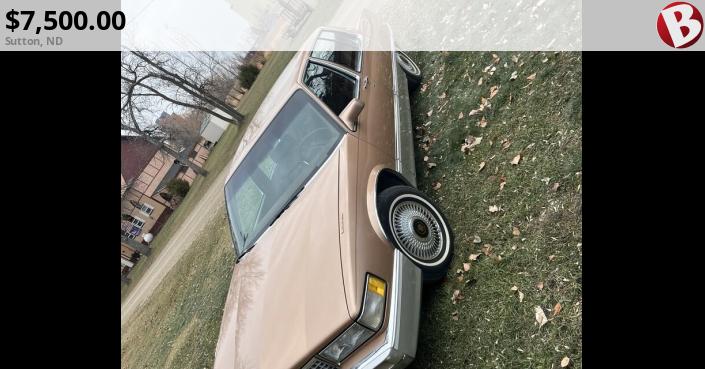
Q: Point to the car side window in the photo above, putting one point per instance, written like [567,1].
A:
[338,47]
[335,89]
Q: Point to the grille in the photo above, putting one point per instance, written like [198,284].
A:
[319,364]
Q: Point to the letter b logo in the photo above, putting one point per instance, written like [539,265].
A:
[680,25]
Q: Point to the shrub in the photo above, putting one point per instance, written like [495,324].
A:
[178,187]
[248,74]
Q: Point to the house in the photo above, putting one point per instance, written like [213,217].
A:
[213,127]
[145,173]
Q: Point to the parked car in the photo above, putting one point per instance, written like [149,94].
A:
[333,241]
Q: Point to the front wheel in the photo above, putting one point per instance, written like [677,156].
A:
[416,226]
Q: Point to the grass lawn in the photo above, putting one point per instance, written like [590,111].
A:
[534,240]
[217,160]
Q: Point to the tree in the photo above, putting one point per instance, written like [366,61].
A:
[178,187]
[248,74]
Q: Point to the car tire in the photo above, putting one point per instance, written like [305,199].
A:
[412,71]
[413,223]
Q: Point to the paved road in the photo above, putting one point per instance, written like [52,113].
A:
[180,241]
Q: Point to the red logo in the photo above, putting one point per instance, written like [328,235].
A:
[680,24]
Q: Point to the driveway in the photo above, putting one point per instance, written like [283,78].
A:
[175,248]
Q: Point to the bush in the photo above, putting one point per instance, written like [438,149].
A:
[178,187]
[166,196]
[248,74]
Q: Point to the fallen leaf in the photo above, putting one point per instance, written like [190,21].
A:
[493,91]
[429,112]
[531,77]
[505,144]
[516,159]
[514,288]
[436,185]
[473,257]
[425,158]
[557,310]
[482,166]
[539,285]
[515,58]
[521,296]
[460,116]
[473,112]
[431,165]
[466,266]
[502,182]
[479,82]
[540,316]
[470,143]
[565,362]
[487,249]
[477,239]
[493,208]
[442,96]
[516,232]
[482,123]
[424,87]
[495,58]
[555,186]
[454,315]
[551,257]
[513,76]
[545,60]
[456,296]
[460,278]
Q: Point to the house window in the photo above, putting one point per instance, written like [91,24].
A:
[127,235]
[147,209]
[137,222]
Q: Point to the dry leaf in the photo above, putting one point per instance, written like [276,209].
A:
[555,186]
[515,58]
[479,82]
[513,76]
[516,159]
[431,165]
[482,166]
[514,288]
[473,257]
[531,77]
[557,310]
[493,208]
[565,362]
[540,316]
[551,257]
[477,239]
[429,112]
[460,278]
[470,143]
[487,249]
[443,96]
[493,91]
[516,232]
[424,87]
[473,112]
[456,296]
[539,285]
[506,143]
[495,58]
[482,123]
[454,315]
[460,116]
[521,296]
[436,185]
[425,158]
[466,266]
[502,182]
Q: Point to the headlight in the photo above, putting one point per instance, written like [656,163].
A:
[346,343]
[367,324]
[373,306]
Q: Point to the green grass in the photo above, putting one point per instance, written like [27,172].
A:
[217,160]
[493,329]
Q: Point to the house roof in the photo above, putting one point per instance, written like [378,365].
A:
[135,153]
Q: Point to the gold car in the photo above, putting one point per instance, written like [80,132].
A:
[333,241]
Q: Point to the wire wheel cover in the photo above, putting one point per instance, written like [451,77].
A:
[417,230]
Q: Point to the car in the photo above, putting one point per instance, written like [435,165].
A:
[333,241]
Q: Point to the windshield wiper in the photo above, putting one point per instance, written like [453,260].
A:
[288,203]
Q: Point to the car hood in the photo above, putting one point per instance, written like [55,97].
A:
[286,299]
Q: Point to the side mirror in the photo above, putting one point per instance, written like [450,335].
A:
[350,113]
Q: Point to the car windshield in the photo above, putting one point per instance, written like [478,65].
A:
[290,150]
